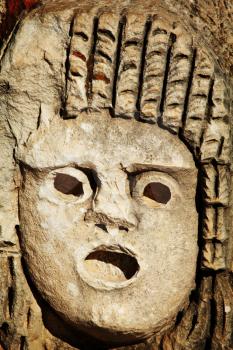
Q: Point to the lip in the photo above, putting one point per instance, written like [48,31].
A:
[109,267]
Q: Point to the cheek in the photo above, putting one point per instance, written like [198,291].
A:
[43,220]
[59,219]
[169,232]
[177,218]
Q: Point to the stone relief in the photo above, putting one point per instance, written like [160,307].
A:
[116,178]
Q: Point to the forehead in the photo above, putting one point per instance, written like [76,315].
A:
[104,141]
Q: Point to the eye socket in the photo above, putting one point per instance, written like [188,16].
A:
[158,192]
[68,184]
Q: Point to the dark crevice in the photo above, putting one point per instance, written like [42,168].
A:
[122,116]
[179,317]
[132,43]
[172,39]
[210,103]
[180,56]
[174,104]
[4,244]
[216,184]
[204,76]
[117,62]
[77,74]
[103,54]
[128,66]
[194,323]
[189,86]
[9,33]
[38,118]
[102,227]
[11,266]
[200,206]
[151,100]
[102,95]
[220,148]
[11,297]
[82,35]
[143,63]
[5,328]
[90,61]
[213,318]
[200,95]
[144,119]
[23,343]
[92,177]
[17,230]
[107,33]
[63,112]
[11,289]
[29,314]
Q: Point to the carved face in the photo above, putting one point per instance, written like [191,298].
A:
[109,223]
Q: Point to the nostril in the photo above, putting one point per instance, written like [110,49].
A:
[123,228]
[102,227]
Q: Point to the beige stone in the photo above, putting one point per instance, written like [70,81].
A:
[108,114]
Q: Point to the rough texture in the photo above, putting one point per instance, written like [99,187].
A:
[65,92]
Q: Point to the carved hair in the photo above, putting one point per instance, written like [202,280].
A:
[138,67]
[147,69]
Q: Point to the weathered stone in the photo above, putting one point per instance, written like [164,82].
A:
[108,113]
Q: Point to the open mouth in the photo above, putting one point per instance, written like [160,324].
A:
[111,264]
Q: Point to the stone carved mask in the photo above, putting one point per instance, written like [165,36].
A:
[107,202]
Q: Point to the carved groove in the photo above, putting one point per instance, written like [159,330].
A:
[11,289]
[79,65]
[190,82]
[216,138]
[104,61]
[177,83]
[90,62]
[127,85]
[118,60]
[209,183]
[172,40]
[157,58]
[143,63]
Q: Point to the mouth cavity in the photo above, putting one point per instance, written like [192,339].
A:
[110,265]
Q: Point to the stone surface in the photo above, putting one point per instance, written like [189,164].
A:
[115,136]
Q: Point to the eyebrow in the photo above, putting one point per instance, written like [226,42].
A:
[135,168]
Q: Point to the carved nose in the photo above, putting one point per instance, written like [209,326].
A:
[115,210]
[112,230]
[108,223]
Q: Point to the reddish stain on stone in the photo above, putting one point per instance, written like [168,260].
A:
[13,7]
[101,76]
[30,3]
[80,55]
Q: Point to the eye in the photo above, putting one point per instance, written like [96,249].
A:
[68,184]
[158,192]
[156,189]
